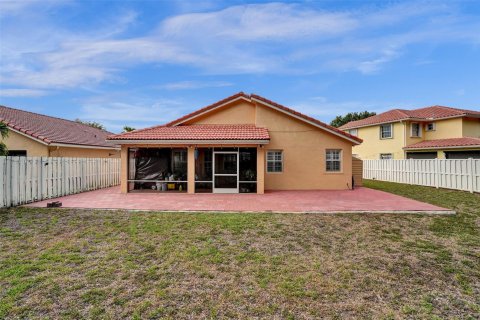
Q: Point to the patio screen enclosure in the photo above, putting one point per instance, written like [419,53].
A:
[217,170]
[157,169]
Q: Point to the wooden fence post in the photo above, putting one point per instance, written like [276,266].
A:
[470,173]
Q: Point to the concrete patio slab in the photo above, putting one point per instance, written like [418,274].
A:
[311,201]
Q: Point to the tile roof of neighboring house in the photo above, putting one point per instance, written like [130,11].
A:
[51,130]
[197,132]
[428,113]
[445,143]
[242,95]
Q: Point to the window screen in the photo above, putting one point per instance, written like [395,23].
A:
[333,160]
[274,161]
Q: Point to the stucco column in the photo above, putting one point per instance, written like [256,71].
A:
[441,154]
[191,170]
[260,170]
[124,169]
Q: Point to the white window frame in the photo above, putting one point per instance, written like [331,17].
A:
[353,132]
[339,160]
[434,127]
[391,131]
[274,160]
[419,130]
[389,156]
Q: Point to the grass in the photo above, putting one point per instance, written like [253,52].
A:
[74,264]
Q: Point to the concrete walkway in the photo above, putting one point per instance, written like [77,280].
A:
[358,200]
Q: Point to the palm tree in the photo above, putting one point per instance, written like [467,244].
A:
[4,135]
[128,129]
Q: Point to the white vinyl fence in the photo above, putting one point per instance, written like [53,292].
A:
[29,179]
[440,173]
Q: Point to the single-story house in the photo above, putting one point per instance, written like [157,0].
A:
[36,135]
[241,144]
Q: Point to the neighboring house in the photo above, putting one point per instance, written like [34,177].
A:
[427,133]
[242,144]
[35,135]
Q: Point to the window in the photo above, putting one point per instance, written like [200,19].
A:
[17,153]
[353,132]
[179,160]
[386,131]
[430,126]
[386,156]
[275,161]
[416,130]
[333,160]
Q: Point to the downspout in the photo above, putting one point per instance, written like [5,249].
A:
[51,151]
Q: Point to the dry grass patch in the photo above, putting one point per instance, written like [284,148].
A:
[75,264]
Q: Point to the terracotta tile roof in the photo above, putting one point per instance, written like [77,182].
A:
[428,113]
[197,132]
[442,143]
[53,130]
[437,112]
[262,99]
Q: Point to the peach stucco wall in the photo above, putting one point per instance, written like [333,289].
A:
[304,147]
[240,112]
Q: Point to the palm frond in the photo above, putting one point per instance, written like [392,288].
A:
[3,130]
[3,149]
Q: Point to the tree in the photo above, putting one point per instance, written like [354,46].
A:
[4,135]
[351,116]
[92,124]
[128,129]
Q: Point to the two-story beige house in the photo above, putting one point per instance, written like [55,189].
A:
[426,133]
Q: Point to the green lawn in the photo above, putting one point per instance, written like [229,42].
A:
[72,264]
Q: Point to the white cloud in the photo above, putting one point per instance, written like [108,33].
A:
[16,7]
[118,109]
[244,39]
[259,22]
[372,66]
[189,85]
[22,93]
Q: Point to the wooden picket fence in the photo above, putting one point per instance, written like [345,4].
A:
[461,174]
[29,179]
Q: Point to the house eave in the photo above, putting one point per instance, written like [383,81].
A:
[193,142]
[83,146]
[441,148]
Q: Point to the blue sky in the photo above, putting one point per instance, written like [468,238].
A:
[143,63]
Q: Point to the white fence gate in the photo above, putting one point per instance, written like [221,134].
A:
[440,173]
[29,179]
